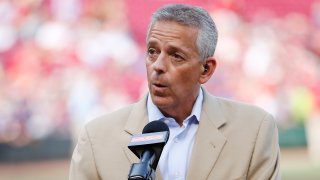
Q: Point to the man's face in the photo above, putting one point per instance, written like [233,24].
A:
[173,66]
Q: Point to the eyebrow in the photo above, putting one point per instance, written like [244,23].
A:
[171,47]
[151,43]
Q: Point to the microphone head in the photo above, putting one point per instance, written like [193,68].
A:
[154,137]
[155,126]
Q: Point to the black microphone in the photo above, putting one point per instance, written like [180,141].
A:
[148,147]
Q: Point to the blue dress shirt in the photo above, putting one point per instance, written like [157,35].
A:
[175,157]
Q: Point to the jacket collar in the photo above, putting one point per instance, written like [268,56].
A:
[209,140]
[138,117]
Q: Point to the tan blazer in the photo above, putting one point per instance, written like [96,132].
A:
[233,141]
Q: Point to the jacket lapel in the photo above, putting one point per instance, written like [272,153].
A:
[209,140]
[137,119]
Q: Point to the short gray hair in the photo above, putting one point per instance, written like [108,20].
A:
[194,17]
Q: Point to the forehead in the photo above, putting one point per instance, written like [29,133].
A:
[169,31]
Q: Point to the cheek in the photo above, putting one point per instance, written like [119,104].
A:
[190,76]
[148,68]
[185,80]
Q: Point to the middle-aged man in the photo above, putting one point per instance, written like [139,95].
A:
[210,137]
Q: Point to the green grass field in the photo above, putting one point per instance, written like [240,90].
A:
[295,165]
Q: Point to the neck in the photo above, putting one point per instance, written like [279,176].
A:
[181,112]
[178,115]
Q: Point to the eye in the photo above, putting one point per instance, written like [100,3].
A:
[177,57]
[151,51]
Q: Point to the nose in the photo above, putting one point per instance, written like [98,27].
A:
[160,64]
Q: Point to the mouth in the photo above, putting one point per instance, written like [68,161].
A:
[159,85]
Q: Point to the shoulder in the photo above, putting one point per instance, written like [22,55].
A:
[115,122]
[243,118]
[110,122]
[236,116]
[230,106]
[241,108]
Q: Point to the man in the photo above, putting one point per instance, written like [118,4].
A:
[210,137]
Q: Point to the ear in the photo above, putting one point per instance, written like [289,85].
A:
[208,68]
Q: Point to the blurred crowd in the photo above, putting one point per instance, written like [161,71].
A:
[63,63]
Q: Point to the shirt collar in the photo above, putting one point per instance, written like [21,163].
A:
[155,114]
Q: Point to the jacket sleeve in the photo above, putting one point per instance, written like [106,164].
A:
[265,161]
[83,166]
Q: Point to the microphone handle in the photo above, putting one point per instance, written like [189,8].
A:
[148,156]
[143,170]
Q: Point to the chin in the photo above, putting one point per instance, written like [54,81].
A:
[161,102]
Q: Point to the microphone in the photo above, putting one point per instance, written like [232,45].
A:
[148,147]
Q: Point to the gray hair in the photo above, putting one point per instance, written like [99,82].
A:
[194,17]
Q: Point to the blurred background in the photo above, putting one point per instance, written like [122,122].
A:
[64,62]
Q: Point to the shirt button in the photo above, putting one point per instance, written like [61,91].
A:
[166,121]
[176,174]
[176,140]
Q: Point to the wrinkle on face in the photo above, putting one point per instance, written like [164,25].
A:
[173,68]
[171,36]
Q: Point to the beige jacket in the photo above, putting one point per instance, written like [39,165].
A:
[233,141]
